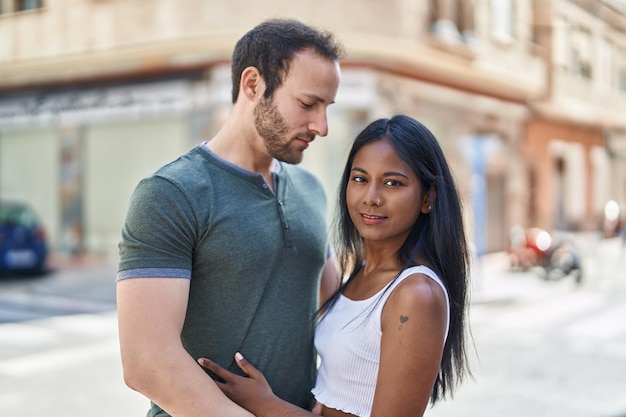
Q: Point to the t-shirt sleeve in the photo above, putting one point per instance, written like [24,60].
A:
[159,232]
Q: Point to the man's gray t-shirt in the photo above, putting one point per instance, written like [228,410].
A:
[254,258]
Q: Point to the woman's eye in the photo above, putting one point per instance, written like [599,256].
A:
[358,178]
[393,183]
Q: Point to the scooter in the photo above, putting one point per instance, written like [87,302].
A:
[534,248]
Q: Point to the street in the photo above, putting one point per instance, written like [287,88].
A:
[85,285]
[59,354]
[549,349]
[541,349]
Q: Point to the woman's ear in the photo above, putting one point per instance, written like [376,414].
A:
[252,83]
[429,199]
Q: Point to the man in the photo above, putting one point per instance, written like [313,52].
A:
[222,250]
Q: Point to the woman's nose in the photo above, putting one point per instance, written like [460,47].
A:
[373,197]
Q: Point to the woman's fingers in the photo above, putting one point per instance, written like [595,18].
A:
[232,378]
[246,391]
[245,366]
[253,373]
[215,368]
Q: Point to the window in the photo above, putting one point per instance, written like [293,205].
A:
[452,19]
[605,65]
[622,80]
[580,52]
[12,6]
[28,5]
[465,19]
[619,68]
[503,20]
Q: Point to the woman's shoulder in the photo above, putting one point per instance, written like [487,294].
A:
[420,285]
[419,304]
[419,290]
[421,276]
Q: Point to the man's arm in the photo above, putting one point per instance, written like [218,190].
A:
[151,313]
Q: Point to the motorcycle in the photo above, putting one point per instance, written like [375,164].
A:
[555,258]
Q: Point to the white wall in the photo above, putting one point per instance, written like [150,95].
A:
[117,157]
[29,171]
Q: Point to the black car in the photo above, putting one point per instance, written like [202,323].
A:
[22,239]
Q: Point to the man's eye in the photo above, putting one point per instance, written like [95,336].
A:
[306,105]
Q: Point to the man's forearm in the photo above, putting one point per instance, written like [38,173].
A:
[179,386]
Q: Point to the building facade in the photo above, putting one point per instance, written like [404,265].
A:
[577,137]
[96,94]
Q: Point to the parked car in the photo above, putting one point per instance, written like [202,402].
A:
[23,244]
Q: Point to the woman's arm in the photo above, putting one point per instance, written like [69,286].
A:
[413,330]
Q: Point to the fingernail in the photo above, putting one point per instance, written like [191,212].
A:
[238,356]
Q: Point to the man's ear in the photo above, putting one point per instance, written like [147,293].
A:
[252,84]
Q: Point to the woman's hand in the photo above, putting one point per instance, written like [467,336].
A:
[253,392]
[249,392]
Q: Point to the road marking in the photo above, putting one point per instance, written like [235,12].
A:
[97,325]
[26,334]
[52,330]
[550,312]
[51,337]
[604,325]
[53,360]
[44,303]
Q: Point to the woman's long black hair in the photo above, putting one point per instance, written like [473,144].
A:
[437,237]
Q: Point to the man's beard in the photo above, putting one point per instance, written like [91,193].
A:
[272,127]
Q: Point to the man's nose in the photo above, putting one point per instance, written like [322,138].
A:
[319,124]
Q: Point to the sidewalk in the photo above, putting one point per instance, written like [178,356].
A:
[70,366]
[494,282]
[603,265]
[65,366]
[57,260]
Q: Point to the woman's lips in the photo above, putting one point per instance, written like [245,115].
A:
[372,218]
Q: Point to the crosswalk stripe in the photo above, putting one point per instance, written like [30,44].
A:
[605,325]
[549,312]
[52,360]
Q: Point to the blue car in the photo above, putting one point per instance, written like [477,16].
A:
[23,245]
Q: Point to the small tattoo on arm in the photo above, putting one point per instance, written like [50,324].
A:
[403,319]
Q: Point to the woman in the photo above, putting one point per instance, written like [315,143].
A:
[392,337]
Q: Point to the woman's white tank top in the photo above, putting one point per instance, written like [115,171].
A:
[347,340]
